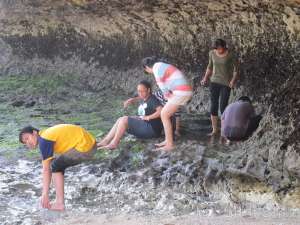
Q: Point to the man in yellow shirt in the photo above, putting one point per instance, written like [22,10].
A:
[61,146]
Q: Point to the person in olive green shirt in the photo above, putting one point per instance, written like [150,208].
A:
[222,71]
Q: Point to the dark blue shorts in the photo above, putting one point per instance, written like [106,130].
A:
[70,158]
[141,128]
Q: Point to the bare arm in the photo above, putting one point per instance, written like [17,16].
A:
[235,76]
[209,70]
[154,115]
[234,79]
[130,101]
[46,183]
[206,77]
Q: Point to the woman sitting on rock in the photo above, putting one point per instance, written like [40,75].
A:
[146,125]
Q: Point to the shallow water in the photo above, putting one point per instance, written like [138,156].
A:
[20,169]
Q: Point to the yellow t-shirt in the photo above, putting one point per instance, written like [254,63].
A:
[66,137]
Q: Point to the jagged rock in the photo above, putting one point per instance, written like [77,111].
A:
[18,103]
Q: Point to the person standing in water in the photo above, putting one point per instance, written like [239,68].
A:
[71,145]
[222,71]
[176,90]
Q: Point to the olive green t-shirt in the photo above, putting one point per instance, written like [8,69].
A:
[222,67]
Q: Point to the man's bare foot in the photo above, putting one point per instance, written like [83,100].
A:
[167,148]
[228,142]
[214,133]
[109,147]
[223,140]
[57,206]
[102,143]
[161,144]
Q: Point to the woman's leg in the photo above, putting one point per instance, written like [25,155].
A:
[166,113]
[119,132]
[105,141]
[214,107]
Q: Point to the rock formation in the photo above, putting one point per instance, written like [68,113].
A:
[104,41]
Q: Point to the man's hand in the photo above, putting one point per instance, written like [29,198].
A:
[45,202]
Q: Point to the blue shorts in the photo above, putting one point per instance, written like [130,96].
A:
[71,158]
[141,128]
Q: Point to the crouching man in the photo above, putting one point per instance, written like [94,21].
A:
[61,146]
[239,120]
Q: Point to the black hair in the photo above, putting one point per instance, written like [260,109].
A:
[147,84]
[149,61]
[245,99]
[27,130]
[220,43]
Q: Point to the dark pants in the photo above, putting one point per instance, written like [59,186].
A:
[71,158]
[252,126]
[218,91]
[142,129]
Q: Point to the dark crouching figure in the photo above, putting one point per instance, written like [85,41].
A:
[239,120]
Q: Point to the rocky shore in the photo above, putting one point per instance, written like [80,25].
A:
[102,42]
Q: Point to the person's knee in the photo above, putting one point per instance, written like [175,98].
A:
[124,120]
[118,121]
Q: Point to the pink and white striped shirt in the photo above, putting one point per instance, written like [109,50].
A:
[170,79]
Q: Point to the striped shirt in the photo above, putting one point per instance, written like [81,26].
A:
[170,79]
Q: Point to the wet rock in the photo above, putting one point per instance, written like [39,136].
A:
[29,104]
[18,103]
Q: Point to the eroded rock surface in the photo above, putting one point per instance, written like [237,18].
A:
[104,41]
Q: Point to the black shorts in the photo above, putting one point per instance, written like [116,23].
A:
[71,158]
[141,128]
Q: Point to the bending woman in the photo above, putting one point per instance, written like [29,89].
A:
[146,125]
[222,72]
[176,90]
